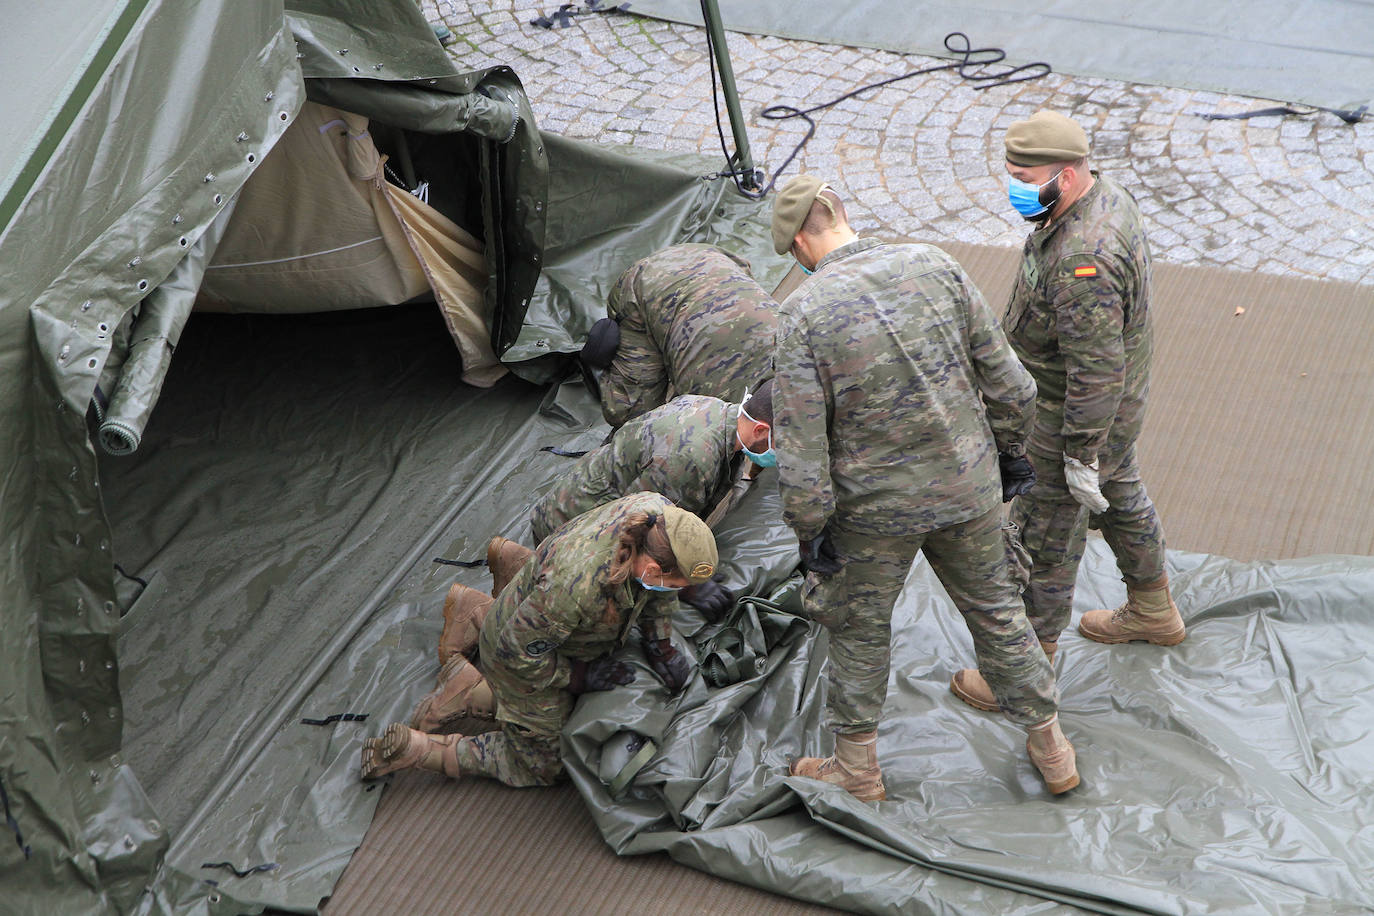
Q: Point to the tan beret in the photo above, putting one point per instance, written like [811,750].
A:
[1045,137]
[790,207]
[693,545]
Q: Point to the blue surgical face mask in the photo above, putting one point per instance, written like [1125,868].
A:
[657,588]
[1029,199]
[766,458]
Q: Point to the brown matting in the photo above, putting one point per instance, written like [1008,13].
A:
[1259,445]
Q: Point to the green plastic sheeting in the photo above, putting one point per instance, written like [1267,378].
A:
[1228,775]
[1320,52]
[140,122]
[302,473]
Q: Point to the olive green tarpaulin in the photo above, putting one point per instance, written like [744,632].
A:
[277,525]
[1318,52]
[135,126]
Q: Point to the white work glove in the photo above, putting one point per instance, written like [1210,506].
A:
[1083,484]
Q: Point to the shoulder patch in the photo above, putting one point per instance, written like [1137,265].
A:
[540,646]
[1088,271]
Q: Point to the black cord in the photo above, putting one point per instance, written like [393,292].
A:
[972,66]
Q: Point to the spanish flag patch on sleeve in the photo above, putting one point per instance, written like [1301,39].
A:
[1089,271]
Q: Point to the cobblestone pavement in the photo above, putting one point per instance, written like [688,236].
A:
[923,158]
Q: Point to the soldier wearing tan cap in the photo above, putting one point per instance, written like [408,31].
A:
[1079,319]
[898,407]
[550,637]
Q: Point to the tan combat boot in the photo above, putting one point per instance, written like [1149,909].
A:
[464,610]
[504,559]
[854,767]
[1052,755]
[969,685]
[1148,614]
[401,748]
[460,692]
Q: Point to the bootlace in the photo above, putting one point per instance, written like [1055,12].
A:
[1120,614]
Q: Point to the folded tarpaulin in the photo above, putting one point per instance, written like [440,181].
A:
[1227,775]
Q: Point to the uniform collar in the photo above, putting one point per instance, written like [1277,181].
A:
[846,250]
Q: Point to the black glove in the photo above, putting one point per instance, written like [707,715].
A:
[1017,475]
[818,556]
[710,597]
[601,673]
[668,663]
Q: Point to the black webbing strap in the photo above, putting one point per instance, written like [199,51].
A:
[242,872]
[13,824]
[562,452]
[337,717]
[1349,116]
[465,564]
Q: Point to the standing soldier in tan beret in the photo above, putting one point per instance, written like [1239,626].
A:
[550,637]
[1079,318]
[685,320]
[900,416]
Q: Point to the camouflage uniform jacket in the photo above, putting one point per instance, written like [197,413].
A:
[554,610]
[683,450]
[1079,318]
[692,321]
[894,390]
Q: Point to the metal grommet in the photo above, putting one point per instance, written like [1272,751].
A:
[214,896]
[183,242]
[219,199]
[283,116]
[103,327]
[376,66]
[109,607]
[252,158]
[143,284]
[90,363]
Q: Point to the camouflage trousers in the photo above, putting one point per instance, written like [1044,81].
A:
[1054,530]
[514,755]
[525,750]
[971,561]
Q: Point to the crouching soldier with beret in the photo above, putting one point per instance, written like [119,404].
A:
[550,637]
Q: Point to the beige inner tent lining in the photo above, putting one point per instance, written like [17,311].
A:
[318,228]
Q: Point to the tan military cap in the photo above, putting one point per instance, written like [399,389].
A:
[1045,137]
[693,544]
[790,207]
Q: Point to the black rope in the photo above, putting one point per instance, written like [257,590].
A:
[13,824]
[242,872]
[562,17]
[337,717]
[465,564]
[972,66]
[1349,116]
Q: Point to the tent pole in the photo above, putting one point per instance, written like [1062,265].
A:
[742,160]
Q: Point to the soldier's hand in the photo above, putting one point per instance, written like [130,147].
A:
[1084,485]
[1018,476]
[668,663]
[710,597]
[601,673]
[818,556]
